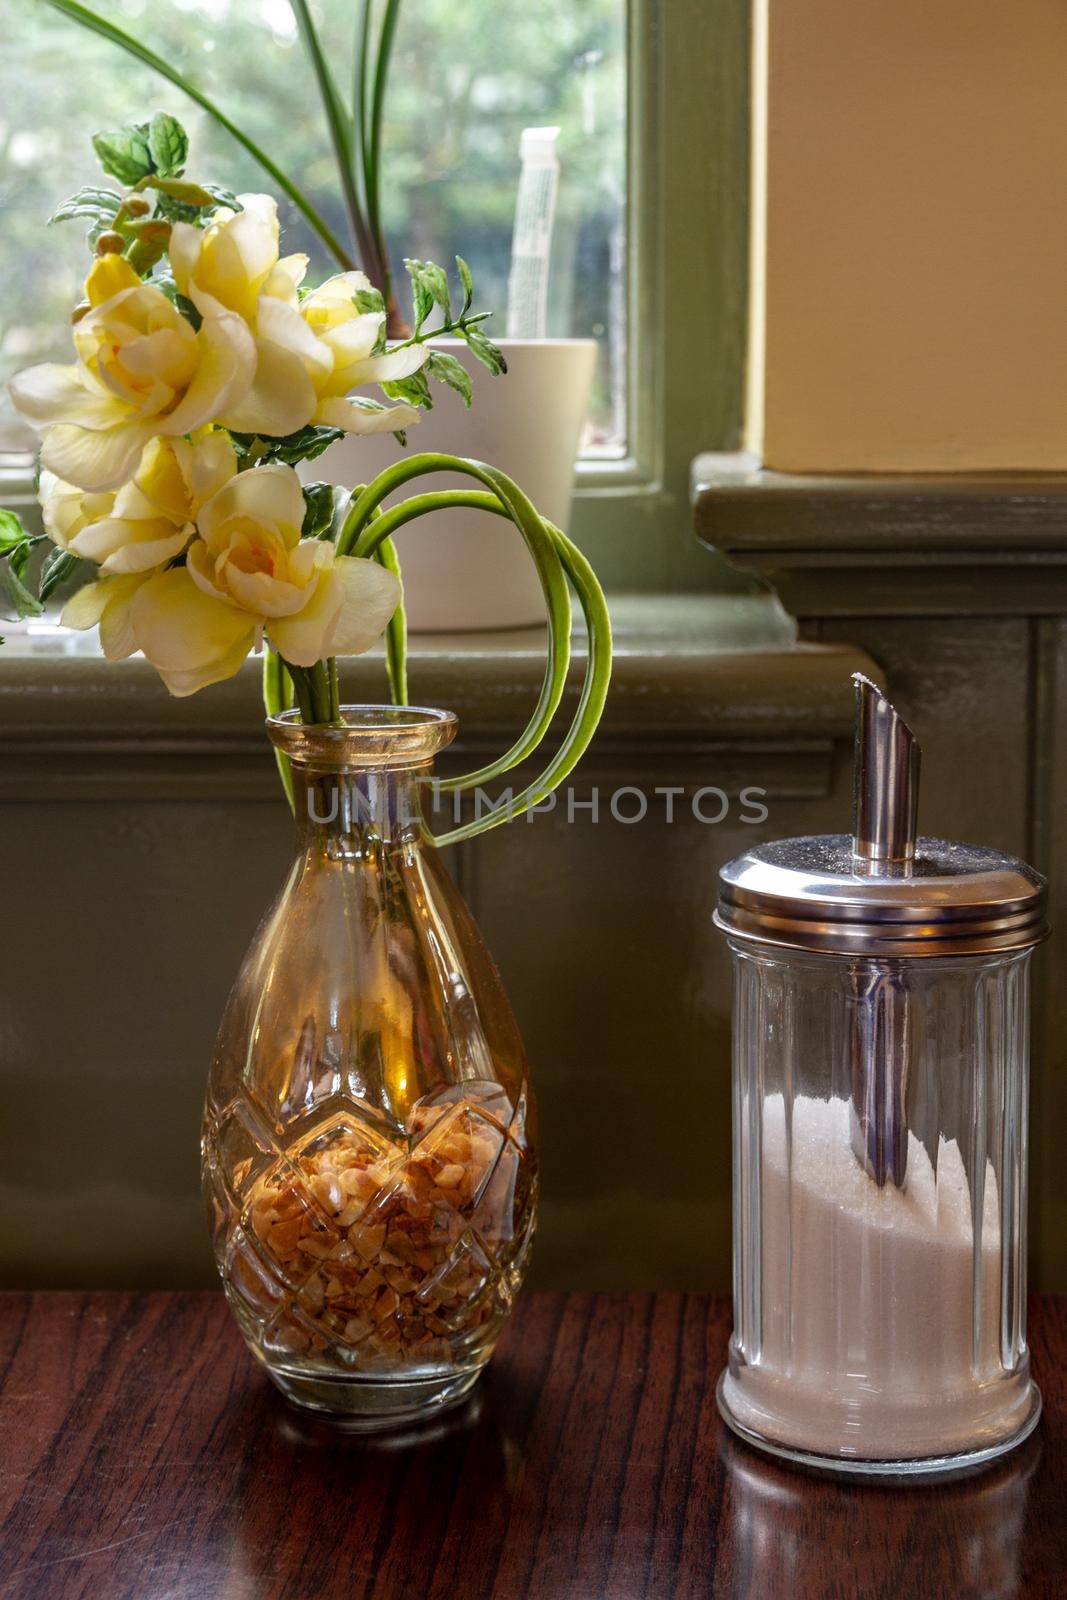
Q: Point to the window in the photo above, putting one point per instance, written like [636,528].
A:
[460,95]
[650,246]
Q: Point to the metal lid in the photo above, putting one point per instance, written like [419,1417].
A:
[882,891]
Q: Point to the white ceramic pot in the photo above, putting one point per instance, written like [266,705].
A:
[467,569]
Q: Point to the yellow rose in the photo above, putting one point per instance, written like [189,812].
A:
[249,572]
[66,509]
[343,360]
[152,518]
[233,264]
[310,353]
[141,371]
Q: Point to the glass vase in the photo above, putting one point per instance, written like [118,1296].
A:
[368,1144]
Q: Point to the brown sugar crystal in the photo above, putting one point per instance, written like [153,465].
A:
[388,1255]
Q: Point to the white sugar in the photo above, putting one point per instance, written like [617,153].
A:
[880,1311]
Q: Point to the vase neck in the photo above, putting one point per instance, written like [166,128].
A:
[361,783]
[350,812]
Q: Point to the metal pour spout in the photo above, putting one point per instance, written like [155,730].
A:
[886,779]
[886,799]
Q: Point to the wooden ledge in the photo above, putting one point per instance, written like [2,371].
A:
[690,673]
[977,543]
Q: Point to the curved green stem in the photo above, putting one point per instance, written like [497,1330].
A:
[365,530]
[396,634]
[368,531]
[134,47]
[591,701]
[388,523]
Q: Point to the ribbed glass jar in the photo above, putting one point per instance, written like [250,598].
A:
[368,1143]
[879,1325]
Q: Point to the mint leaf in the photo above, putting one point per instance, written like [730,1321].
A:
[368,300]
[14,555]
[11,532]
[223,197]
[414,389]
[318,510]
[484,350]
[428,280]
[467,281]
[98,206]
[57,568]
[168,144]
[303,445]
[446,369]
[124,154]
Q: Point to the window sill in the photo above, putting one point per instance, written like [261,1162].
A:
[944,544]
[692,675]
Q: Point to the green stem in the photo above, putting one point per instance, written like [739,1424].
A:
[277,697]
[360,103]
[134,47]
[373,156]
[366,532]
[335,689]
[338,123]
[396,633]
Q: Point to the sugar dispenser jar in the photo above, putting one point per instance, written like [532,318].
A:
[879,1134]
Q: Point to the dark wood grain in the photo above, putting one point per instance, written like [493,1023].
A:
[142,1456]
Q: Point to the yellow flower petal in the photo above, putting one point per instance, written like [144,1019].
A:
[394,364]
[181,684]
[371,593]
[53,393]
[363,416]
[270,494]
[180,629]
[302,638]
[281,397]
[94,460]
[227,364]
[116,634]
[131,545]
[108,276]
[286,278]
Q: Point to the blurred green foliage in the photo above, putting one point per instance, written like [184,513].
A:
[465,81]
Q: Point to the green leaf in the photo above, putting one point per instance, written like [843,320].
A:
[57,568]
[190,194]
[429,282]
[303,445]
[484,350]
[318,510]
[11,531]
[90,201]
[21,603]
[164,282]
[168,144]
[124,154]
[467,281]
[414,389]
[446,369]
[223,197]
[368,300]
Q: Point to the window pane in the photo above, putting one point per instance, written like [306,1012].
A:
[466,81]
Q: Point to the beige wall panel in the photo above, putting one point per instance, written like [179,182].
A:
[916,315]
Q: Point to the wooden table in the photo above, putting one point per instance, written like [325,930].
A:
[143,1455]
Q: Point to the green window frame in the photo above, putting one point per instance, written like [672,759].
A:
[687,292]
